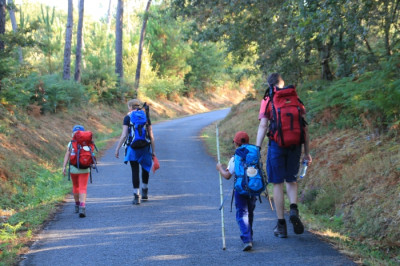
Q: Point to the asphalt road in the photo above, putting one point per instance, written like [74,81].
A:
[180,224]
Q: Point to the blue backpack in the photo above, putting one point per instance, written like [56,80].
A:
[138,134]
[250,179]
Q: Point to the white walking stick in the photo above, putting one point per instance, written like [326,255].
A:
[222,196]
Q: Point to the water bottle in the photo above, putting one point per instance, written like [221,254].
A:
[303,169]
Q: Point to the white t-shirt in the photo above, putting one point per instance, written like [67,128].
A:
[231,166]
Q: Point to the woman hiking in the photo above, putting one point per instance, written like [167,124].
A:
[137,134]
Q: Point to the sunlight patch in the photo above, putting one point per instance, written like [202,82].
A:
[167,257]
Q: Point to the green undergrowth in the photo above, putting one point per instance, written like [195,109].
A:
[32,184]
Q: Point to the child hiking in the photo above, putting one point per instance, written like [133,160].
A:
[240,168]
[137,134]
[287,132]
[80,158]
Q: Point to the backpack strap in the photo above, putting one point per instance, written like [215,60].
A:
[233,194]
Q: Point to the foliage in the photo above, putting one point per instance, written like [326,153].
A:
[300,38]
[165,39]
[362,102]
[50,92]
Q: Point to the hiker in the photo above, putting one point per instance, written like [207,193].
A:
[244,204]
[79,176]
[283,159]
[137,125]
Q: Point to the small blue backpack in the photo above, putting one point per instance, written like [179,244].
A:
[138,134]
[250,179]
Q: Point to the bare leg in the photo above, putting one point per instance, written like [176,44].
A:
[76,197]
[291,189]
[82,198]
[278,200]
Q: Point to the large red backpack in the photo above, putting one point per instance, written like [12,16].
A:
[82,150]
[285,111]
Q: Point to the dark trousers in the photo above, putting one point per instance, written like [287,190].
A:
[245,206]
[135,175]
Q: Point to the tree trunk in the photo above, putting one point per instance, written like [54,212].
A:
[2,22]
[68,40]
[79,42]
[118,40]
[142,35]
[387,24]
[109,17]
[14,27]
[325,54]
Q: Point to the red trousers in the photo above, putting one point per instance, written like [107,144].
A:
[79,183]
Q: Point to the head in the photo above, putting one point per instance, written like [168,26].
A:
[275,79]
[133,104]
[76,128]
[240,138]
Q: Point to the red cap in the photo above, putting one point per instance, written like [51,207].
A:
[241,137]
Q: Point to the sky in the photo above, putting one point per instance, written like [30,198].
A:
[95,8]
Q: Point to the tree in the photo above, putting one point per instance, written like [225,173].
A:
[68,41]
[2,23]
[79,42]
[109,16]
[142,35]
[14,27]
[118,40]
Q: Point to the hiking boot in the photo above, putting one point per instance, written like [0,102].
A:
[247,246]
[82,212]
[76,208]
[144,193]
[298,226]
[136,199]
[280,230]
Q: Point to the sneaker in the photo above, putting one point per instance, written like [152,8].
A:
[247,246]
[136,199]
[280,230]
[76,208]
[144,193]
[298,226]
[82,212]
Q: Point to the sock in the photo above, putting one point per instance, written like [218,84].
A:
[293,206]
[136,191]
[77,203]
[82,204]
[281,221]
[144,186]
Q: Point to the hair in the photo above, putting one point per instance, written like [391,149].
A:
[133,103]
[274,79]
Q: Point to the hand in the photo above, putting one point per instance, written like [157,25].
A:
[117,154]
[153,155]
[64,171]
[218,166]
[308,158]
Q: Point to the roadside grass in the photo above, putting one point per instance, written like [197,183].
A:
[350,196]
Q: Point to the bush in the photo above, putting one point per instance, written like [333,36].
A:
[50,92]
[371,101]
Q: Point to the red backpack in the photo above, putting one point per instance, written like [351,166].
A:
[82,150]
[285,111]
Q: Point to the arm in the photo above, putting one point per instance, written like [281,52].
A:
[66,157]
[124,134]
[150,130]
[223,172]
[262,130]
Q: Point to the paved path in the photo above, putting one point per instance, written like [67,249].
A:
[180,223]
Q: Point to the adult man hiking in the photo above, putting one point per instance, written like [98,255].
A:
[287,132]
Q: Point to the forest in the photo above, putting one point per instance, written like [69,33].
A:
[343,56]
